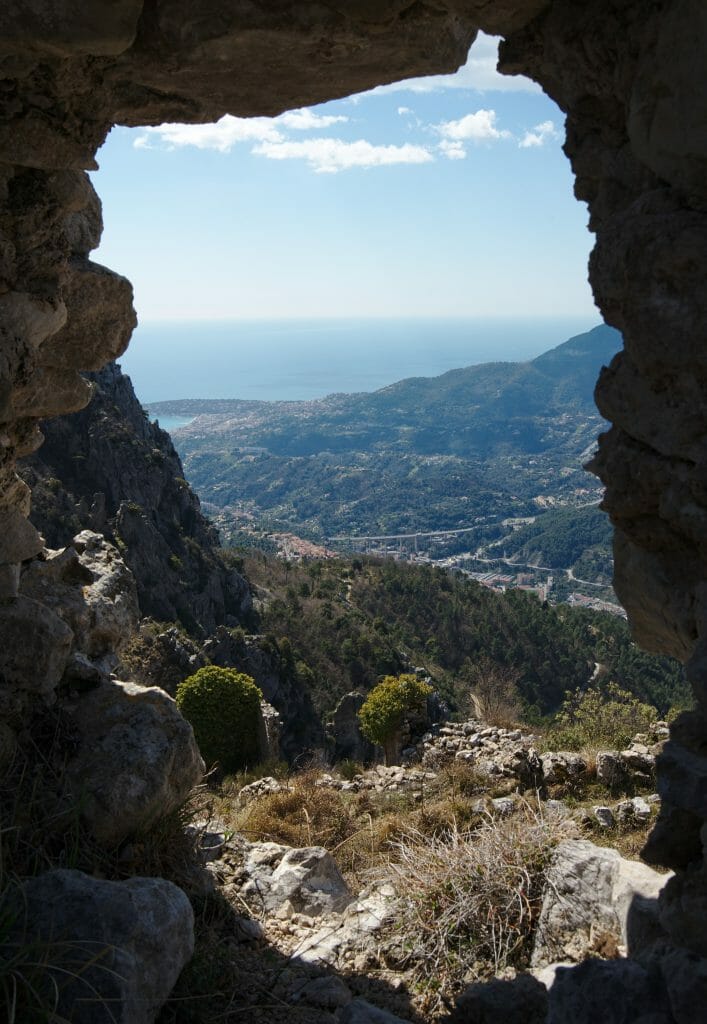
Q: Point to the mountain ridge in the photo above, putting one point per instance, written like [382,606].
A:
[488,440]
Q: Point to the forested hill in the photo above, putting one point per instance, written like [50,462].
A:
[484,405]
[425,453]
[348,622]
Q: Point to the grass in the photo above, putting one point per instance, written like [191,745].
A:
[469,901]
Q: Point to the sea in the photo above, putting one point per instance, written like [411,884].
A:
[276,360]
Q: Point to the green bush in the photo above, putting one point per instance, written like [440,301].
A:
[608,717]
[382,713]
[223,708]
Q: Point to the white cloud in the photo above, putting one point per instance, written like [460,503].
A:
[404,110]
[452,150]
[477,127]
[222,135]
[226,133]
[327,156]
[479,73]
[306,120]
[539,135]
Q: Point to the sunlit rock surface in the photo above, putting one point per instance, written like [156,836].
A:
[631,79]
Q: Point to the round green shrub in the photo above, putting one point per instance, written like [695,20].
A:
[223,708]
[382,713]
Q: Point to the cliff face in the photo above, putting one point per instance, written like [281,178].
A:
[108,468]
[630,77]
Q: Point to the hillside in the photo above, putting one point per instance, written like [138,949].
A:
[108,469]
[446,452]
[574,538]
[343,624]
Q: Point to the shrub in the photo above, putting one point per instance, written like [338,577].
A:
[223,708]
[469,902]
[382,713]
[608,717]
[494,696]
[303,814]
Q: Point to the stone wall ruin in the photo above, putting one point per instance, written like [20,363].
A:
[631,76]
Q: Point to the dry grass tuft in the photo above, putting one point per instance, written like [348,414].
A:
[469,901]
[304,814]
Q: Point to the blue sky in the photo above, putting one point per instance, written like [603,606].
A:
[437,197]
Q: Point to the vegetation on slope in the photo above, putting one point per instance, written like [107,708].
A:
[565,538]
[422,454]
[347,623]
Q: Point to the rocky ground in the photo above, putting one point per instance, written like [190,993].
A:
[330,913]
[334,894]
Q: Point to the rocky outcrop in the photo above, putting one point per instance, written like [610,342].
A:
[113,950]
[164,658]
[630,77]
[344,735]
[300,729]
[91,588]
[110,470]
[593,893]
[135,759]
[294,881]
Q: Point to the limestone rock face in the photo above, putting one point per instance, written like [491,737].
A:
[287,880]
[111,470]
[90,587]
[39,666]
[116,948]
[592,889]
[136,758]
[301,727]
[344,732]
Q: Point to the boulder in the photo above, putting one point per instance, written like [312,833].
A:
[563,767]
[136,758]
[611,769]
[354,931]
[591,891]
[503,806]
[635,811]
[113,950]
[284,880]
[605,816]
[256,790]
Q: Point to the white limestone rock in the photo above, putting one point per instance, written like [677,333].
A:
[136,760]
[306,881]
[591,890]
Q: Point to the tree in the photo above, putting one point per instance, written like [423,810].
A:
[599,717]
[383,712]
[223,708]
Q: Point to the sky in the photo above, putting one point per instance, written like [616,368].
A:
[439,197]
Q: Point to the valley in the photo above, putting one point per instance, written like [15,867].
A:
[478,470]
